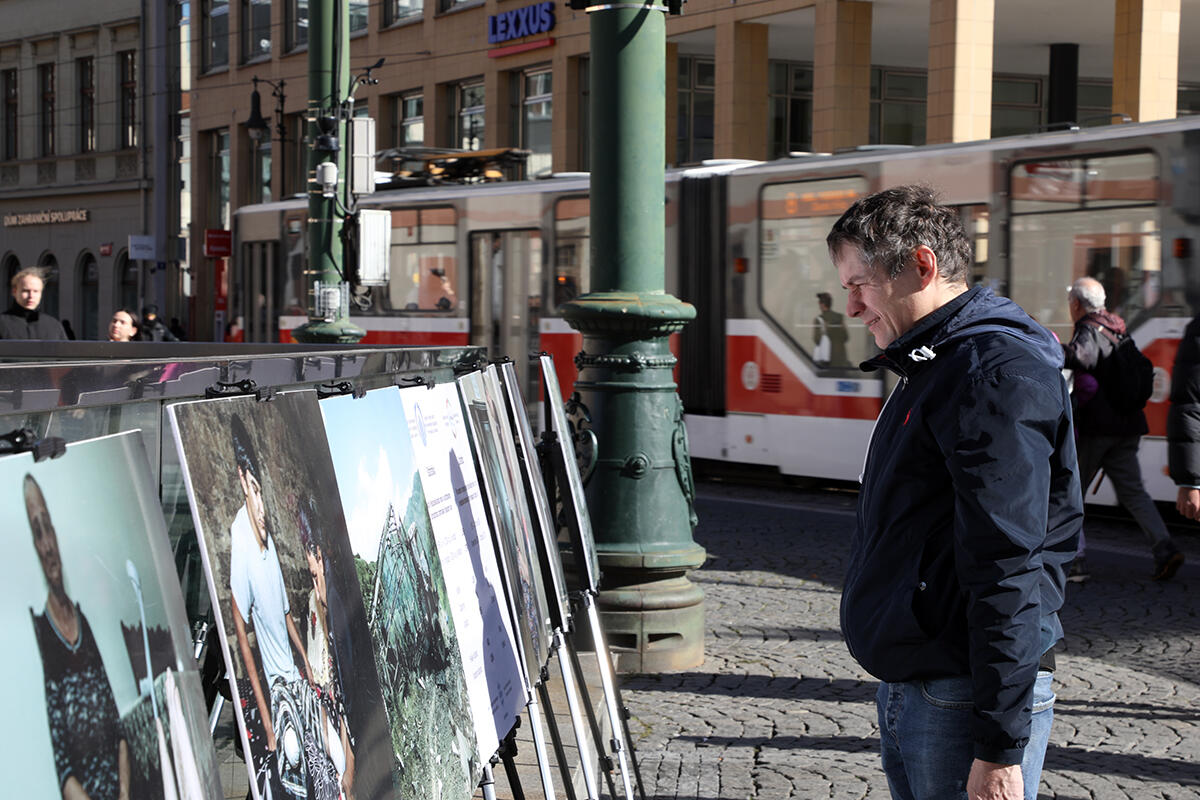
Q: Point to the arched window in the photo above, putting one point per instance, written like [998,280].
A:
[127,288]
[49,265]
[89,298]
[11,265]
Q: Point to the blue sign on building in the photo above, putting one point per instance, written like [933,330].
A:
[527,21]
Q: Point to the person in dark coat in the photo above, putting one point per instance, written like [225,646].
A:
[154,329]
[1183,422]
[969,510]
[1108,438]
[22,319]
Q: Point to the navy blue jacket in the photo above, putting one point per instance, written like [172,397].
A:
[969,511]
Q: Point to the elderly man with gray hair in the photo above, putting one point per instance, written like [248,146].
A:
[1109,436]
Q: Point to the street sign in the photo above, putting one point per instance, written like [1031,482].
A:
[141,248]
[218,243]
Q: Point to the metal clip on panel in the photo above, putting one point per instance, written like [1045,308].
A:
[24,440]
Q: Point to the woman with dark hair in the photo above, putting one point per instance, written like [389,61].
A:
[124,325]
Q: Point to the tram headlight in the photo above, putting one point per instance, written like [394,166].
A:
[327,176]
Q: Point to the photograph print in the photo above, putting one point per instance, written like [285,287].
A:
[491,658]
[104,697]
[512,531]
[286,596]
[407,602]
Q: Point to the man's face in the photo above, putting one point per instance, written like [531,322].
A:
[316,571]
[886,305]
[28,292]
[45,539]
[255,506]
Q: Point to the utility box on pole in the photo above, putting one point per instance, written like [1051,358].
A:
[362,155]
[374,246]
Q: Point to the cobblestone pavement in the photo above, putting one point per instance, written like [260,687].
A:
[779,709]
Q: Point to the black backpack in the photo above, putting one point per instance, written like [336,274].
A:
[1126,375]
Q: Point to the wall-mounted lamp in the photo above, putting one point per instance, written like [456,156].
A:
[257,126]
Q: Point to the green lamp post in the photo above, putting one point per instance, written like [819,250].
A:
[328,71]
[640,496]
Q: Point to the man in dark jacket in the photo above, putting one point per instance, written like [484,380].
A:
[1183,421]
[22,320]
[969,510]
[1108,438]
[152,328]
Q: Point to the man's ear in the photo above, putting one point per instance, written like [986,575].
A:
[925,262]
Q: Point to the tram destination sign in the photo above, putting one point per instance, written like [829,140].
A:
[56,217]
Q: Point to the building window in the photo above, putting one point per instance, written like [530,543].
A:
[1094,101]
[404,10]
[446,5]
[585,114]
[696,109]
[1188,102]
[897,107]
[789,108]
[408,120]
[49,265]
[214,23]
[1016,106]
[46,110]
[219,179]
[260,175]
[256,29]
[358,15]
[127,92]
[469,110]
[87,308]
[85,80]
[127,273]
[296,24]
[11,110]
[535,117]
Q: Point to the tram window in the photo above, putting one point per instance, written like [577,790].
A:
[1095,217]
[797,276]
[571,249]
[423,264]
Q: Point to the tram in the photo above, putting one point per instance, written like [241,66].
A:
[492,264]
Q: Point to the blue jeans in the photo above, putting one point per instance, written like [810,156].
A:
[924,730]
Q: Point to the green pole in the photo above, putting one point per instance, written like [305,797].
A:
[328,80]
[640,496]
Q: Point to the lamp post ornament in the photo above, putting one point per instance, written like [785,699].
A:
[328,68]
[640,496]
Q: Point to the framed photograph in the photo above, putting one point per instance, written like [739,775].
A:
[535,496]
[579,522]
[286,597]
[104,695]
[512,527]
[491,656]
[407,596]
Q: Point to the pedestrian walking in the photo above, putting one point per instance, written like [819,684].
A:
[1110,427]
[154,329]
[24,319]
[1183,423]
[968,513]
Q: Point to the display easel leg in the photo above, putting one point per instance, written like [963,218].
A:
[507,752]
[488,783]
[569,689]
[606,762]
[539,747]
[608,682]
[560,755]
[637,771]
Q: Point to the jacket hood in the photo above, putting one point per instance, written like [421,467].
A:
[975,311]
[1107,319]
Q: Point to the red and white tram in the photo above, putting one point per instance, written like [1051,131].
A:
[491,264]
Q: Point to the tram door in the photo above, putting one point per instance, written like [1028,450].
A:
[506,297]
[253,294]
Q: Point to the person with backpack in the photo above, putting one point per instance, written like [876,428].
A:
[1109,419]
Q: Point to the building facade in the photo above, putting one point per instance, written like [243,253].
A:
[86,99]
[751,80]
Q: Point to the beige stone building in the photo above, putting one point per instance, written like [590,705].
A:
[745,79]
[89,125]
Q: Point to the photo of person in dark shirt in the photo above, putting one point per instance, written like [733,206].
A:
[91,754]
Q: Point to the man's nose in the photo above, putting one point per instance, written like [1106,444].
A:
[854,306]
